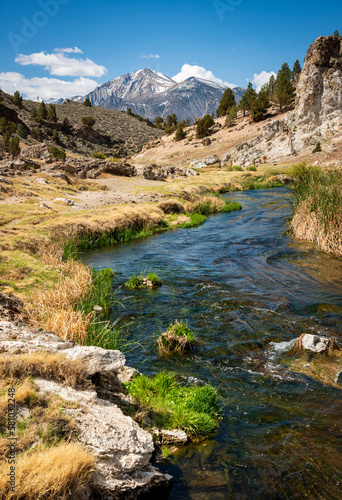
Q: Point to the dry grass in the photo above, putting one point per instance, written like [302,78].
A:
[45,365]
[58,472]
[171,207]
[306,225]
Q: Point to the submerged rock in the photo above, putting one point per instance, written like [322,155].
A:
[314,343]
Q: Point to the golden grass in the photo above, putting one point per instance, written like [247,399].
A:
[306,225]
[45,365]
[58,472]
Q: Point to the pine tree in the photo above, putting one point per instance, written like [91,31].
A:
[203,126]
[180,133]
[297,69]
[283,90]
[231,116]
[247,99]
[271,87]
[66,126]
[55,137]
[42,113]
[18,99]
[13,147]
[87,103]
[259,106]
[337,34]
[227,102]
[52,115]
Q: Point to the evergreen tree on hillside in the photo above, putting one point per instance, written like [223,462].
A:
[18,99]
[180,133]
[66,125]
[42,113]
[259,106]
[247,99]
[52,115]
[87,103]
[297,69]
[337,34]
[231,116]
[203,126]
[227,102]
[13,147]
[283,90]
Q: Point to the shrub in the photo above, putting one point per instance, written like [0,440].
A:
[66,125]
[88,121]
[55,137]
[37,134]
[203,126]
[13,147]
[252,168]
[154,279]
[22,131]
[318,148]
[102,156]
[180,133]
[58,154]
[237,168]
[87,103]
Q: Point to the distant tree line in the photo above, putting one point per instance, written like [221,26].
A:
[279,91]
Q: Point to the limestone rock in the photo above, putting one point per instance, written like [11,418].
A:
[314,343]
[122,448]
[96,359]
[39,151]
[174,436]
[209,160]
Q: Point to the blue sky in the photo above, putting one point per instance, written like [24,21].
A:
[230,40]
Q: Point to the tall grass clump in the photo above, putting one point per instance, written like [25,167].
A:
[177,339]
[318,207]
[172,405]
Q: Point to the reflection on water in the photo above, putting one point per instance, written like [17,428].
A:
[240,283]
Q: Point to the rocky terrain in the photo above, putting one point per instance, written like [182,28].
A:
[151,94]
[123,450]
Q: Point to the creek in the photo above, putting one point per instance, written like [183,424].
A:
[245,288]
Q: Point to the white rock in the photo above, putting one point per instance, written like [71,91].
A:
[97,359]
[314,343]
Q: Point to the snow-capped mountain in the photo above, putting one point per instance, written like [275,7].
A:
[151,94]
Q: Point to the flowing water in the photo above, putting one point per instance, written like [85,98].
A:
[242,285]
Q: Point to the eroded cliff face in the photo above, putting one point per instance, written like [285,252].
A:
[318,108]
[317,114]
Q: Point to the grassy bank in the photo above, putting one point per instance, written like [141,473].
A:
[318,207]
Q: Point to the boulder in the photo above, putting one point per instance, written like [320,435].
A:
[122,448]
[209,160]
[206,141]
[39,151]
[11,307]
[96,359]
[314,343]
[167,437]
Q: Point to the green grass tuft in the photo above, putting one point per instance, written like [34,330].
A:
[172,405]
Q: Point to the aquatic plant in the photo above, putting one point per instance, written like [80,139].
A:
[178,338]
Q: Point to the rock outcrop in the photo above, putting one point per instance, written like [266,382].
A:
[123,450]
[317,114]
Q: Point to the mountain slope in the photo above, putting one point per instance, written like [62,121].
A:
[151,94]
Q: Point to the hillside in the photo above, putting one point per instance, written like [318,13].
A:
[114,133]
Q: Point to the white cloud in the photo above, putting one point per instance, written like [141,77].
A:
[61,65]
[260,79]
[45,88]
[189,70]
[69,50]
[151,56]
